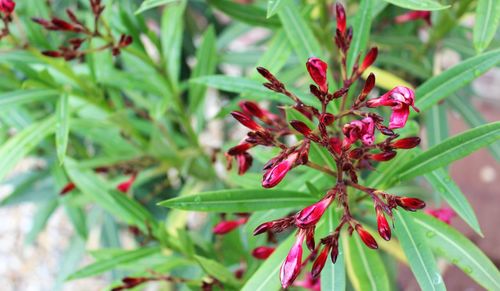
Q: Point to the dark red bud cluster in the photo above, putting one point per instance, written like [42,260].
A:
[410,204]
[317,70]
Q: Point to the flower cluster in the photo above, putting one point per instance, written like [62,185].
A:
[355,139]
[84,34]
[6,10]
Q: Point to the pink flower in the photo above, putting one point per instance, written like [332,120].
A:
[309,283]
[414,15]
[310,215]
[444,214]
[7,6]
[290,268]
[125,186]
[226,226]
[274,175]
[359,129]
[317,69]
[399,99]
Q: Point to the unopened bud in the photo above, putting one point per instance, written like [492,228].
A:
[262,252]
[327,119]
[406,143]
[382,157]
[301,127]
[320,261]
[274,175]
[383,226]
[246,121]
[341,19]
[290,268]
[317,70]
[410,204]
[310,215]
[366,237]
[370,58]
[67,188]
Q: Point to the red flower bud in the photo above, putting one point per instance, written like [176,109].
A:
[383,226]
[131,282]
[366,237]
[327,119]
[370,58]
[252,108]
[67,188]
[226,226]
[406,143]
[262,252]
[310,243]
[125,40]
[310,215]
[335,144]
[355,154]
[369,84]
[264,227]
[246,121]
[317,70]
[60,24]
[240,149]
[382,157]
[265,73]
[335,253]
[52,54]
[410,204]
[274,175]
[320,261]
[341,19]
[125,186]
[244,163]
[290,268]
[300,127]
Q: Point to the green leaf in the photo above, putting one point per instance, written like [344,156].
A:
[474,119]
[277,53]
[102,266]
[113,201]
[206,57]
[361,28]
[333,275]
[459,250]
[22,143]
[449,191]
[420,258]
[172,27]
[419,4]
[42,216]
[299,33]
[267,276]
[444,84]
[451,149]
[486,23]
[14,98]
[436,123]
[365,267]
[217,270]
[240,200]
[62,127]
[273,6]
[247,13]
[149,4]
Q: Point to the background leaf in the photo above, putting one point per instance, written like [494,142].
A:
[62,126]
[361,30]
[418,4]
[420,258]
[451,149]
[486,23]
[240,200]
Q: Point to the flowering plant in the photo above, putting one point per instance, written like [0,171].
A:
[130,116]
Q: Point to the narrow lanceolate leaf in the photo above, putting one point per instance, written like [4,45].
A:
[365,267]
[149,4]
[240,200]
[267,276]
[299,33]
[277,53]
[418,4]
[62,127]
[102,266]
[473,119]
[443,85]
[206,57]
[14,98]
[333,275]
[451,149]
[436,123]
[22,143]
[273,6]
[419,254]
[217,270]
[459,250]
[248,14]
[486,23]
[361,29]
[172,27]
[121,206]
[449,191]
